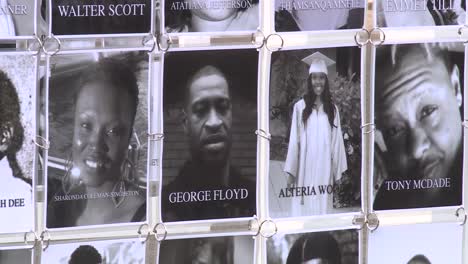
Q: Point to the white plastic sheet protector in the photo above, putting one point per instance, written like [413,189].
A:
[17,148]
[97,126]
[425,243]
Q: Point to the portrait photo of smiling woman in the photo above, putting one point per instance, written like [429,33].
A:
[97,164]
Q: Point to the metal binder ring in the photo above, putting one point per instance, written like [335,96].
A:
[254,224]
[155,136]
[157,233]
[465,216]
[39,44]
[47,242]
[267,41]
[36,239]
[168,42]
[150,38]
[358,36]
[262,133]
[372,222]
[255,36]
[370,130]
[42,142]
[140,233]
[381,35]
[57,49]
[359,220]
[265,234]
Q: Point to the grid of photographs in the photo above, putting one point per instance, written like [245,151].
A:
[232,131]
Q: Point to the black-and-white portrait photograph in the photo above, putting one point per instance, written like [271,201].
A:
[16,18]
[78,17]
[97,252]
[333,247]
[436,243]
[410,13]
[97,121]
[307,15]
[213,250]
[17,134]
[13,256]
[211,15]
[210,145]
[315,119]
[418,154]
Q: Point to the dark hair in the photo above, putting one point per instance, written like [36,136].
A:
[309,99]
[114,72]
[10,112]
[178,19]
[419,258]
[85,254]
[314,245]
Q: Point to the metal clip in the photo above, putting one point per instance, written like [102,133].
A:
[140,233]
[157,234]
[263,134]
[267,41]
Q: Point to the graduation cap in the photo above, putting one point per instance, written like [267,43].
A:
[318,62]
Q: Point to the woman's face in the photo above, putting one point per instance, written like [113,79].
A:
[212,10]
[317,81]
[103,120]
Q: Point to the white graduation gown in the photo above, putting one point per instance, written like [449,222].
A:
[316,157]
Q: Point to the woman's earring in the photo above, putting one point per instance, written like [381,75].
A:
[67,182]
[120,187]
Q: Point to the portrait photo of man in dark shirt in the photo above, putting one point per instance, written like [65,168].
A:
[418,106]
[209,184]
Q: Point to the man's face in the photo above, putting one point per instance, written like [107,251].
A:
[318,81]
[209,117]
[419,117]
[103,123]
[212,10]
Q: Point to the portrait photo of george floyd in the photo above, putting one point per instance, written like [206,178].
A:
[435,243]
[307,15]
[81,17]
[315,119]
[97,126]
[210,145]
[96,252]
[211,15]
[16,18]
[15,256]
[410,13]
[17,134]
[213,250]
[333,247]
[418,152]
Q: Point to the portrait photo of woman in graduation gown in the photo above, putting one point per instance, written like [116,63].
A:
[316,156]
